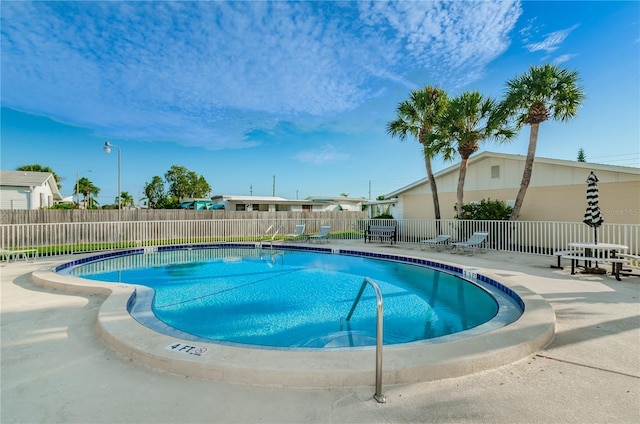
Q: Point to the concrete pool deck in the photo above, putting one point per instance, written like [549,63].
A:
[55,369]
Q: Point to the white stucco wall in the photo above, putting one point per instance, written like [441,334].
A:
[556,192]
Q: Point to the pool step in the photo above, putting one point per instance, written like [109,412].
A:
[343,339]
[348,339]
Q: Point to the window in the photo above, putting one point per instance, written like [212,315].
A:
[306,208]
[495,172]
[240,207]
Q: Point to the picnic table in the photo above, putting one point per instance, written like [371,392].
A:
[596,253]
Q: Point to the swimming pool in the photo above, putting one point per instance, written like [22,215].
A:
[297,298]
[292,298]
[500,341]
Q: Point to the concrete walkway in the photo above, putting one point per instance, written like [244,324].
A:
[55,370]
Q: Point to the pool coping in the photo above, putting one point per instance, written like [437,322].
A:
[402,364]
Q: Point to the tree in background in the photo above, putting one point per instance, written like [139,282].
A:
[469,119]
[126,200]
[201,188]
[154,192]
[419,117]
[581,156]
[181,182]
[88,190]
[39,168]
[544,92]
[184,183]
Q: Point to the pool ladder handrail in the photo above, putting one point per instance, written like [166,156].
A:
[378,396]
[272,238]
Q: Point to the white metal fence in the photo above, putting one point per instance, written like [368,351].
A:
[542,238]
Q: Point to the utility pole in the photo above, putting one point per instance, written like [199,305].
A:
[274,186]
[369,189]
[250,189]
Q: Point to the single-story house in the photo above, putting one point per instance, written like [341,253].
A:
[557,191]
[267,204]
[280,204]
[28,190]
[340,203]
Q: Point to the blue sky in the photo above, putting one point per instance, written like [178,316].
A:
[242,92]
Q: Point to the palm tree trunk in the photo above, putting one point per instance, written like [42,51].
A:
[434,192]
[528,170]
[461,177]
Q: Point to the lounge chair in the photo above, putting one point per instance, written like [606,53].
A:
[470,246]
[436,243]
[298,233]
[323,234]
[15,254]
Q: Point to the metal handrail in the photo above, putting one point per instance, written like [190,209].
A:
[273,236]
[378,396]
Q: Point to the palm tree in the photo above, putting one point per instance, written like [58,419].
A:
[544,92]
[126,200]
[469,119]
[418,117]
[88,190]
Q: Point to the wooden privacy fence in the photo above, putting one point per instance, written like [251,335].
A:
[48,216]
[542,238]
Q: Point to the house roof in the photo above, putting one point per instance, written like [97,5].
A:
[241,198]
[265,199]
[30,179]
[337,199]
[486,155]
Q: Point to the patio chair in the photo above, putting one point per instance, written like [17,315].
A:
[323,234]
[15,254]
[436,243]
[470,246]
[298,233]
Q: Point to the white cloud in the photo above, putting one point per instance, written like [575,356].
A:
[321,156]
[453,40]
[563,58]
[209,73]
[552,41]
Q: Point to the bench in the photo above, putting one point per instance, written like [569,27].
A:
[560,253]
[632,261]
[616,263]
[631,258]
[381,231]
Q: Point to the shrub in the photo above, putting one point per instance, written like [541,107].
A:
[63,206]
[485,210]
[383,216]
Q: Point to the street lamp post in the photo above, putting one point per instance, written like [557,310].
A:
[107,149]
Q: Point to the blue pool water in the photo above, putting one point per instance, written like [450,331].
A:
[288,298]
